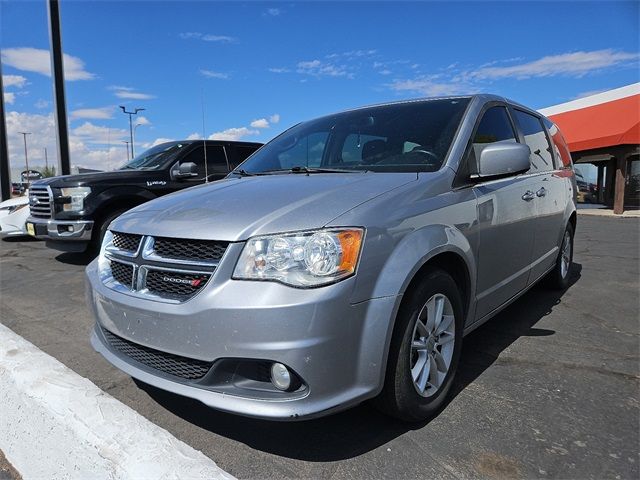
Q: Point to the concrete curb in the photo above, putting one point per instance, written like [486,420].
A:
[56,424]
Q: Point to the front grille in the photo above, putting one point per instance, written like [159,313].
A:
[168,363]
[123,273]
[40,201]
[185,249]
[175,284]
[126,241]
[161,268]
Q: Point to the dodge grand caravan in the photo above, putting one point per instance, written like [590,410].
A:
[343,261]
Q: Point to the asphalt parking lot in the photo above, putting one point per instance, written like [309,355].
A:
[548,388]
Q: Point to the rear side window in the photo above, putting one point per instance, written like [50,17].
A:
[536,138]
[563,155]
[495,126]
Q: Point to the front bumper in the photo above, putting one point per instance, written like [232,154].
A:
[338,349]
[66,230]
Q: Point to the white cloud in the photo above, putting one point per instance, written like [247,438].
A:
[212,74]
[233,134]
[99,134]
[157,141]
[207,37]
[17,81]
[82,153]
[140,120]
[279,70]
[9,97]
[260,123]
[575,64]
[275,118]
[317,68]
[38,61]
[273,12]
[352,54]
[385,72]
[428,86]
[194,136]
[42,103]
[102,113]
[129,95]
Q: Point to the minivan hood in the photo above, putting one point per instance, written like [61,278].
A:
[235,209]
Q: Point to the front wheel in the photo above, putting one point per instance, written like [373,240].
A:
[425,349]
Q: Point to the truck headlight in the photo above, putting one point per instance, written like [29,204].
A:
[301,259]
[77,195]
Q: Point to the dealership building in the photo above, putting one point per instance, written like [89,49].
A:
[604,130]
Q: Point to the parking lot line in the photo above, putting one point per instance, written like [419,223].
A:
[56,424]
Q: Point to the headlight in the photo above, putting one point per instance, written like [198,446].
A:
[104,265]
[302,259]
[77,195]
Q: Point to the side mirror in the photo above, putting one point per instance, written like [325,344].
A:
[503,158]
[186,170]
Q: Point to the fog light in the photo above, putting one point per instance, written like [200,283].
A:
[280,376]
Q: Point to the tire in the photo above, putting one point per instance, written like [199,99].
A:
[99,230]
[558,278]
[401,396]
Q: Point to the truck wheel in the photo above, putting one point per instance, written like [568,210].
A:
[558,278]
[100,228]
[425,349]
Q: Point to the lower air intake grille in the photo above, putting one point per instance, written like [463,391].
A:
[182,367]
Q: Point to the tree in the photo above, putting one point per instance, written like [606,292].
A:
[48,172]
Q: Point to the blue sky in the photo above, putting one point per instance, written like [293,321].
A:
[264,66]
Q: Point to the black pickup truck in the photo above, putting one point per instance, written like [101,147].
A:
[72,212]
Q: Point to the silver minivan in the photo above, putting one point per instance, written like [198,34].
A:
[343,261]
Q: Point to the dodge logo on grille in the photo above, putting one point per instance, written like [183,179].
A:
[193,282]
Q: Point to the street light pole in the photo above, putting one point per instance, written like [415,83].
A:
[133,139]
[26,157]
[124,141]
[135,112]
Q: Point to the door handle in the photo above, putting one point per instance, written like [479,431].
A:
[542,192]
[528,196]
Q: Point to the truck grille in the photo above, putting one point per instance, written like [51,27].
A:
[126,241]
[168,363]
[40,201]
[160,268]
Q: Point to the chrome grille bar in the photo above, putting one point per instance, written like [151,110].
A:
[40,201]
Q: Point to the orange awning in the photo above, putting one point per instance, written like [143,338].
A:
[603,120]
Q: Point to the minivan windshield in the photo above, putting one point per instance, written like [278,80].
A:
[156,157]
[403,137]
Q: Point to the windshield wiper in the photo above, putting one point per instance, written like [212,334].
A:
[309,170]
[243,173]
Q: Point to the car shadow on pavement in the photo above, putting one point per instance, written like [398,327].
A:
[20,238]
[72,258]
[361,429]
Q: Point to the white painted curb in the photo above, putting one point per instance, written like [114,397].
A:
[56,424]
